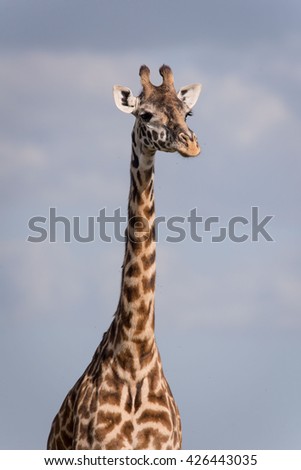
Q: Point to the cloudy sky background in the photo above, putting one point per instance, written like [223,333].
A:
[228,317]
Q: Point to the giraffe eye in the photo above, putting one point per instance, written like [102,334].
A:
[146,117]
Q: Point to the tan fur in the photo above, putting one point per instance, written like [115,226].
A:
[122,400]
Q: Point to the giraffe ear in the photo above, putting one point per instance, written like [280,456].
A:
[124,99]
[189,94]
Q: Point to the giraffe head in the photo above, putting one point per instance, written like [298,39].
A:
[161,113]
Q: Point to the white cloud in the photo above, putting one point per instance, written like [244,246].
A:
[60,282]
[17,157]
[41,279]
[61,74]
[245,112]
[70,126]
[258,289]
[58,126]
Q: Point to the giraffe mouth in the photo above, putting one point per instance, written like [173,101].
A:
[188,146]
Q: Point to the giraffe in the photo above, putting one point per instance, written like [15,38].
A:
[123,400]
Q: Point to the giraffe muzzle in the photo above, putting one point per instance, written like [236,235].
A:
[188,146]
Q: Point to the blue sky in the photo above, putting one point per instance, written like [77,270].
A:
[228,320]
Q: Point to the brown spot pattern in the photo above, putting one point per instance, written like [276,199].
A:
[159,416]
[86,419]
[131,293]
[148,283]
[148,260]
[133,270]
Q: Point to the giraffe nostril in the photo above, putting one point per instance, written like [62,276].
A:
[184,138]
[188,144]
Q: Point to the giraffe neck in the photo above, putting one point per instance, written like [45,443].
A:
[134,336]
